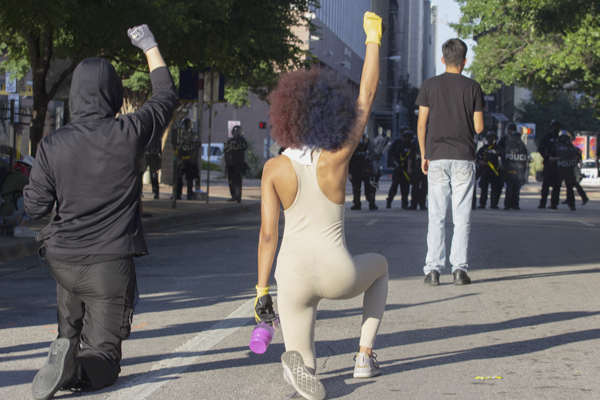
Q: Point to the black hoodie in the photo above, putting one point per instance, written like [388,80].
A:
[90,167]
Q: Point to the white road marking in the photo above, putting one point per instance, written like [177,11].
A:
[372,222]
[167,369]
[585,223]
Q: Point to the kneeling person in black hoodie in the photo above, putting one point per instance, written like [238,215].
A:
[89,169]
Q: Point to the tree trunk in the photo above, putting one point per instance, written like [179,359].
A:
[40,46]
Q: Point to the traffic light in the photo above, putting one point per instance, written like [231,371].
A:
[262,125]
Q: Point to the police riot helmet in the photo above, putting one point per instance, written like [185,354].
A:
[403,128]
[555,123]
[186,124]
[27,160]
[515,134]
[408,135]
[511,127]
[491,137]
[236,131]
[564,136]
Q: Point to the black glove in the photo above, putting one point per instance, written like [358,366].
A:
[263,309]
[142,37]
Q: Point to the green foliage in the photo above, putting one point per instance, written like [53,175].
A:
[565,107]
[251,41]
[213,166]
[255,162]
[237,96]
[546,44]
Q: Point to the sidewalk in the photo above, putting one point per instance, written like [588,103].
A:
[161,211]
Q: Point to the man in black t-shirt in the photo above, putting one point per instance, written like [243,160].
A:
[454,106]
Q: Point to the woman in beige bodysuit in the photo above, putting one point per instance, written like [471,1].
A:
[309,181]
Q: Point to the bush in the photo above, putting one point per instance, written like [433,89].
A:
[537,165]
[213,166]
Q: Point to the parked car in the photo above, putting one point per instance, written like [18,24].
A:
[588,169]
[216,152]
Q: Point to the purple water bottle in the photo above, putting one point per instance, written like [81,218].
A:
[262,335]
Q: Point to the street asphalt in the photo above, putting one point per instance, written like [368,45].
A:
[530,317]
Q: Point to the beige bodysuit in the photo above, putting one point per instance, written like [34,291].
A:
[314,264]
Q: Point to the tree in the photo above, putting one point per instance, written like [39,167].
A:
[544,44]
[250,40]
[565,107]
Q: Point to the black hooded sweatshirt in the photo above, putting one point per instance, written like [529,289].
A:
[90,167]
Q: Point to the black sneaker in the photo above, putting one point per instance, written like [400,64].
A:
[461,277]
[584,202]
[481,207]
[432,278]
[388,203]
[495,207]
[542,206]
[373,207]
[355,207]
[59,369]
[573,209]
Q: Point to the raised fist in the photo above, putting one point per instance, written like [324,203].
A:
[142,37]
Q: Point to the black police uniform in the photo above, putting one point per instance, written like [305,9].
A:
[491,155]
[418,179]
[549,172]
[363,169]
[154,161]
[400,158]
[567,155]
[515,170]
[580,190]
[189,151]
[235,148]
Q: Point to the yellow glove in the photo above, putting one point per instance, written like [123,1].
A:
[373,28]
[263,306]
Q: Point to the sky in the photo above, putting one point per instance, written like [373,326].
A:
[448,12]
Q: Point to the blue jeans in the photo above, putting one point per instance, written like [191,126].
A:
[449,179]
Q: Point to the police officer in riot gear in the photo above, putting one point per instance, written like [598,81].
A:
[578,177]
[235,150]
[401,176]
[188,149]
[512,127]
[418,179]
[489,157]
[515,169]
[154,161]
[363,169]
[549,172]
[565,155]
[394,146]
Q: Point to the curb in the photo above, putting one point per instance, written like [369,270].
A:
[27,247]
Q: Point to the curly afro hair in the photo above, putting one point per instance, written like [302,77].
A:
[312,107]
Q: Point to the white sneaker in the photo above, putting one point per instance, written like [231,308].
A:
[365,366]
[23,231]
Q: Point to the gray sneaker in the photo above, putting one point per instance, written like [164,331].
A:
[60,368]
[365,366]
[297,375]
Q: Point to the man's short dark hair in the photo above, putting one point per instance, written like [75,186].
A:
[455,52]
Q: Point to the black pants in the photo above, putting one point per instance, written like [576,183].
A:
[581,192]
[370,183]
[569,180]
[489,178]
[513,192]
[190,170]
[154,181]
[398,178]
[102,295]
[418,196]
[549,180]
[234,174]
